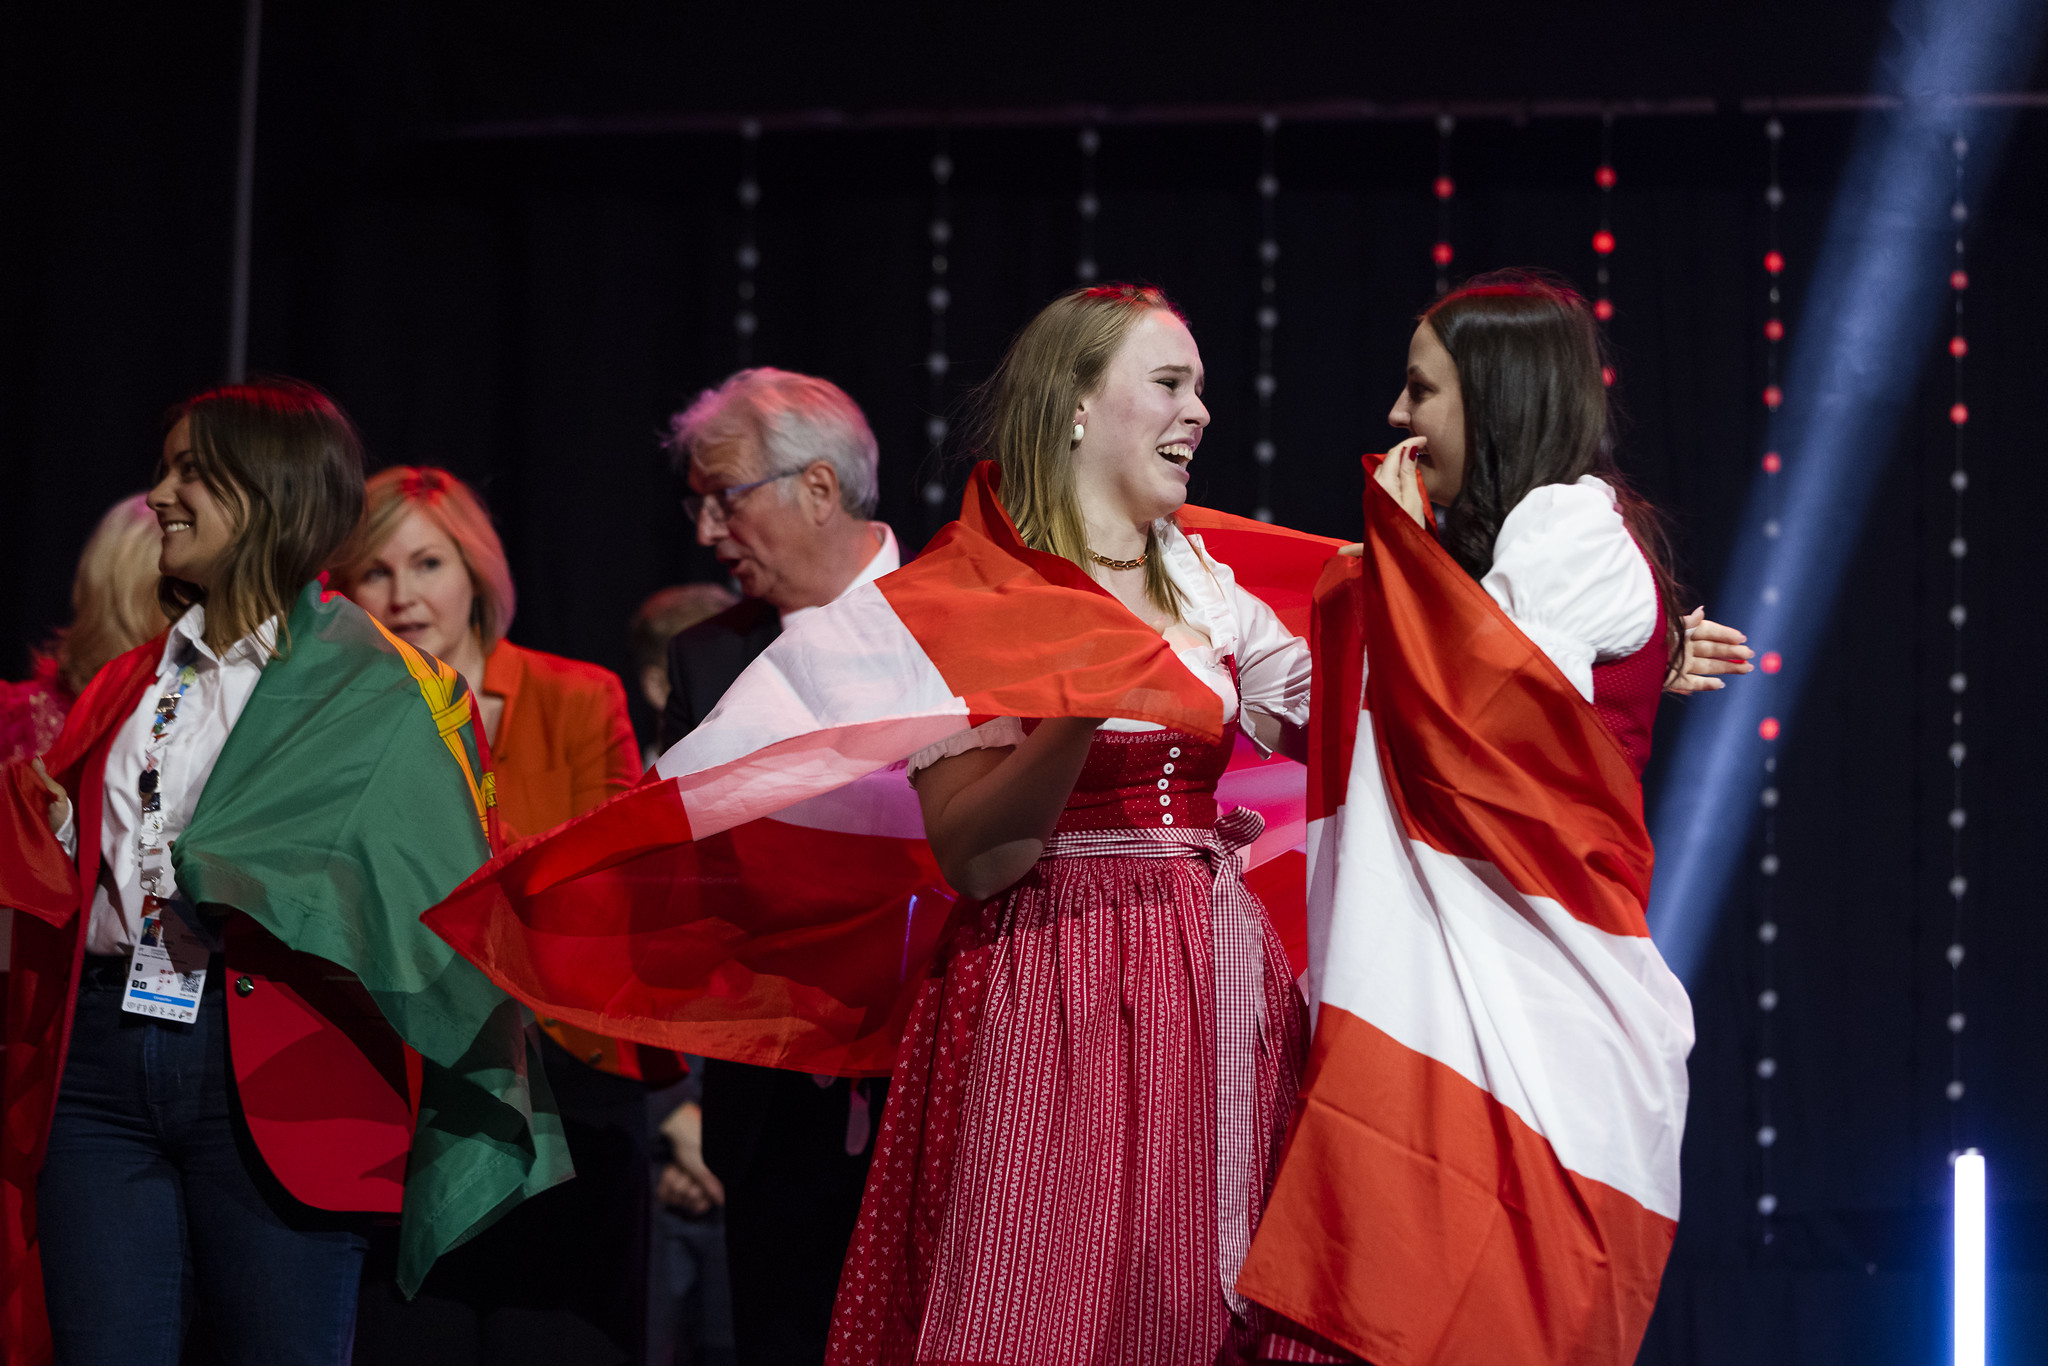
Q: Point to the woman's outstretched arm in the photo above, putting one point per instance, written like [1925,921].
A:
[989,812]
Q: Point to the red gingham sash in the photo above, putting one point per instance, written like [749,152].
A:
[1242,1028]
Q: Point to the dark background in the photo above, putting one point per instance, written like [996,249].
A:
[526,300]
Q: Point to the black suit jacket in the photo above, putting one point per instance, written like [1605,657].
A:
[776,1139]
[705,659]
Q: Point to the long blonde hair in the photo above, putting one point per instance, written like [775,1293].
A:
[113,596]
[452,506]
[1026,418]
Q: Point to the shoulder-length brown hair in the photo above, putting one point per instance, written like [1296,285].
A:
[286,462]
[1536,412]
[452,506]
[1024,418]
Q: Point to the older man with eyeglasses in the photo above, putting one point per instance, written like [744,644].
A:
[782,471]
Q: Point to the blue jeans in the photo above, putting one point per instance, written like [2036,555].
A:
[153,1203]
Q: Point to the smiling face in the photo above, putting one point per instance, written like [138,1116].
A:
[1140,430]
[198,527]
[1432,406]
[418,588]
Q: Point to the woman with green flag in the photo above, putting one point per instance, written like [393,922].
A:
[230,1042]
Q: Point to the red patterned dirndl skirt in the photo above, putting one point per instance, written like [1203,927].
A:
[1084,1119]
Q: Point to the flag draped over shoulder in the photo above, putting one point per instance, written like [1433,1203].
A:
[1280,566]
[348,798]
[766,894]
[1484,1164]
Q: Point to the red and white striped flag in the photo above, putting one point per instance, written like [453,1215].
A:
[1484,1163]
[766,894]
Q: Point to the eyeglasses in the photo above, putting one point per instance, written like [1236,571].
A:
[721,503]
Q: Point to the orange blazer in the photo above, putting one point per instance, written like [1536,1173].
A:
[564,742]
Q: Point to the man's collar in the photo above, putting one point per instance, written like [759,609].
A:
[887,560]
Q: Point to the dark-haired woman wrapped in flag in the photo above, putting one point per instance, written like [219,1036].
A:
[1484,1164]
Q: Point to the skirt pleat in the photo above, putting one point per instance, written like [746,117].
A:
[1044,1188]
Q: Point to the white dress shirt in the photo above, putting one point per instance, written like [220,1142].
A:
[1569,574]
[887,560]
[206,713]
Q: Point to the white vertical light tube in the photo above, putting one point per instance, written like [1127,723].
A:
[1969,1166]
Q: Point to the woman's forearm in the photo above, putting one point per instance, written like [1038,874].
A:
[988,816]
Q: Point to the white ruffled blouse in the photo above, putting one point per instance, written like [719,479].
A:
[1569,574]
[1272,662]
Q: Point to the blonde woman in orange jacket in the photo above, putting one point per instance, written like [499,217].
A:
[569,1273]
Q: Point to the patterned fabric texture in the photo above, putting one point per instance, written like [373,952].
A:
[1089,1100]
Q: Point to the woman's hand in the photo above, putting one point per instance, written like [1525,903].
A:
[60,800]
[1398,475]
[1710,649]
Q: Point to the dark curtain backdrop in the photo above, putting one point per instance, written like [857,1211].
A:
[528,311]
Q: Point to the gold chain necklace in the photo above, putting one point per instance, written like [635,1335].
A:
[1108,563]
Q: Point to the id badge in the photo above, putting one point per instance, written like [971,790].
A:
[167,971]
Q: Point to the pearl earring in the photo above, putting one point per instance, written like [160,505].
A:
[1079,432]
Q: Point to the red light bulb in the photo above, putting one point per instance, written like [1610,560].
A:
[1441,253]
[1603,242]
[1774,262]
[1768,728]
[1604,177]
[1607,375]
[1774,330]
[1773,396]
[1959,279]
[1603,309]
[1772,464]
[1959,414]
[1958,348]
[1770,663]
[1444,188]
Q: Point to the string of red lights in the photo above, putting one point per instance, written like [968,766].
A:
[1603,236]
[1441,253]
[1765,900]
[1958,680]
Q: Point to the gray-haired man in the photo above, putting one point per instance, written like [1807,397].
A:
[782,471]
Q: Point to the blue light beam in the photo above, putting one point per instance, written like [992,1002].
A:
[1876,294]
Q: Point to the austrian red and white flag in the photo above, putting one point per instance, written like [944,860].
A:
[1484,1162]
[766,894]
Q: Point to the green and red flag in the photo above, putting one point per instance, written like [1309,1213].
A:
[349,797]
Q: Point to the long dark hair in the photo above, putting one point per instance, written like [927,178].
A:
[287,462]
[1536,413]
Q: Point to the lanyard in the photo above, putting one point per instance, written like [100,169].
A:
[149,831]
[167,967]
